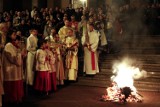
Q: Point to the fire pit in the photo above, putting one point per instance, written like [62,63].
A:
[122,89]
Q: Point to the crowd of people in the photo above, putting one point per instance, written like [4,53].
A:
[41,47]
[142,19]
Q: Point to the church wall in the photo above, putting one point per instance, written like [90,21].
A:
[65,3]
[13,4]
[6,5]
[1,5]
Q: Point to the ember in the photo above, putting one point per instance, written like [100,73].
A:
[121,95]
[122,89]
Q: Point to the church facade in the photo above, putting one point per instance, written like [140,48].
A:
[6,5]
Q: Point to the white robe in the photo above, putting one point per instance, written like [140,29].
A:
[31,48]
[88,65]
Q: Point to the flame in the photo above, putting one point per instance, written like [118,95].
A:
[122,89]
[125,73]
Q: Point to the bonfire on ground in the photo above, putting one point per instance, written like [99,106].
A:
[122,88]
[121,95]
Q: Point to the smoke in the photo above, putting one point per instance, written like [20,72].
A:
[138,24]
[139,74]
[128,68]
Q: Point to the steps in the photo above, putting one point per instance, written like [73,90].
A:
[147,57]
[150,83]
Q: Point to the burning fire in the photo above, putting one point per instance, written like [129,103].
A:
[122,89]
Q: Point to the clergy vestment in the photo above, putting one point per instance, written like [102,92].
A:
[52,66]
[63,33]
[13,73]
[42,77]
[31,48]
[58,59]
[2,42]
[90,56]
[71,57]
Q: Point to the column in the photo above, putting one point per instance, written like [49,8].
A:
[34,3]
[53,3]
[92,3]
[65,3]
[108,2]
[27,4]
[50,3]
[1,5]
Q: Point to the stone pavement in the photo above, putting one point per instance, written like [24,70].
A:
[84,96]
